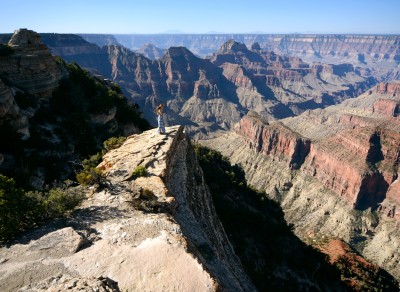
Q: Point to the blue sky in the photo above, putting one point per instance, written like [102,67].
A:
[225,16]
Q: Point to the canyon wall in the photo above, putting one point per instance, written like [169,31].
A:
[345,184]
[355,48]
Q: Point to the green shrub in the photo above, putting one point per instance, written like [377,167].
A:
[20,210]
[113,143]
[139,171]
[16,209]
[92,161]
[60,201]
[116,88]
[90,177]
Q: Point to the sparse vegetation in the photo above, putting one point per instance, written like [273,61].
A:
[146,201]
[113,143]
[139,171]
[90,176]
[21,210]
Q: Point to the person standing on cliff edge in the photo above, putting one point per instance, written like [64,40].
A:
[159,113]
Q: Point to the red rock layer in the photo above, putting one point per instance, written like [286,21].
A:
[387,107]
[358,164]
[274,140]
[392,89]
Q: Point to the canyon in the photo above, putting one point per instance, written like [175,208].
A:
[334,171]
[321,141]
[210,95]
[161,231]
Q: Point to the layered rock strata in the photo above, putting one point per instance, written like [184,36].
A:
[327,48]
[157,232]
[347,184]
[30,67]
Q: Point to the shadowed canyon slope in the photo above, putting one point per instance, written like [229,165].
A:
[334,171]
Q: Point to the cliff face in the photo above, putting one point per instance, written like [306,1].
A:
[274,140]
[156,232]
[100,39]
[346,182]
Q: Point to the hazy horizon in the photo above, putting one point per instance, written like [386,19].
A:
[205,17]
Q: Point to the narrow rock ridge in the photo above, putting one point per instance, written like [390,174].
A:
[197,217]
[156,232]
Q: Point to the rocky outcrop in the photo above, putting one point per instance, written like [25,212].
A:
[30,67]
[52,112]
[27,69]
[153,232]
[9,110]
[64,282]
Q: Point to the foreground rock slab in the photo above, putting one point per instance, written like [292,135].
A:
[158,232]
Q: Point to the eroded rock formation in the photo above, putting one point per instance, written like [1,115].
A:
[27,68]
[31,67]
